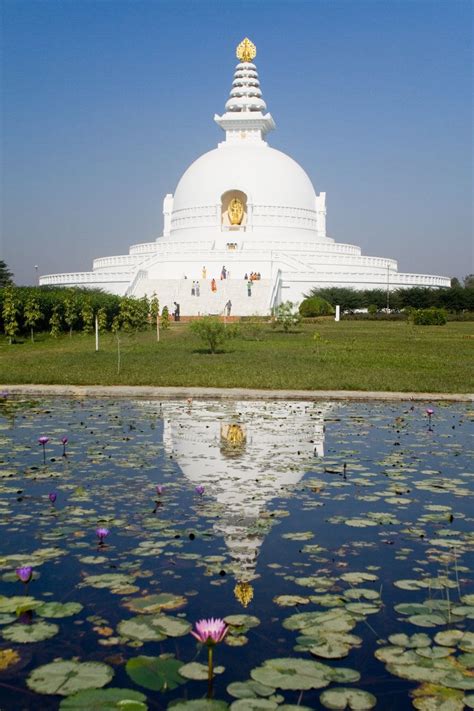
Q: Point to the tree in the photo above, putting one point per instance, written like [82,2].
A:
[102,318]
[287,316]
[10,313]
[87,315]
[455,282]
[32,314]
[468,281]
[71,310]
[155,314]
[55,321]
[165,318]
[212,332]
[6,276]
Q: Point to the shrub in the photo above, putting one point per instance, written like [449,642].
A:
[212,332]
[287,316]
[429,317]
[372,309]
[315,306]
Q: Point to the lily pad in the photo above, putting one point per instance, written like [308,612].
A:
[254,705]
[290,673]
[35,632]
[198,705]
[155,673]
[66,677]
[141,628]
[150,604]
[247,621]
[171,626]
[249,689]
[346,698]
[105,700]
[197,671]
[57,610]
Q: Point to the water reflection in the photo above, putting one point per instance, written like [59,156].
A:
[245,454]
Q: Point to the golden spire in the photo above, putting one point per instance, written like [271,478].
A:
[246,51]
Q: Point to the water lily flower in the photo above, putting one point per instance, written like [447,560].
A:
[210,631]
[102,533]
[429,411]
[4,394]
[199,490]
[160,489]
[24,574]
[43,440]
[53,496]
[64,441]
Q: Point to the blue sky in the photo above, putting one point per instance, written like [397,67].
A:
[106,103]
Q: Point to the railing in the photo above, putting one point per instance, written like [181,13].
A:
[116,261]
[143,248]
[274,294]
[81,277]
[141,274]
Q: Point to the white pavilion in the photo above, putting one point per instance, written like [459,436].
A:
[242,208]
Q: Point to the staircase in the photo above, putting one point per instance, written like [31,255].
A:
[209,302]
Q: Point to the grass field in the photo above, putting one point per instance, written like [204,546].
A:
[350,355]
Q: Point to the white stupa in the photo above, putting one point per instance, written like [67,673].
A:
[245,208]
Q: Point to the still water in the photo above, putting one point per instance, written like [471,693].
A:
[334,539]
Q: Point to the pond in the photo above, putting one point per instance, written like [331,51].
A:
[334,539]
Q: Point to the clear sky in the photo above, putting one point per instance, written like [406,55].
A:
[107,102]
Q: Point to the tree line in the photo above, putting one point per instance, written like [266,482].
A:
[26,310]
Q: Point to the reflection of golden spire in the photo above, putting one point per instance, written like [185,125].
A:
[243,593]
[246,51]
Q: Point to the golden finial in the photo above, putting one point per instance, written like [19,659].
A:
[246,51]
[243,593]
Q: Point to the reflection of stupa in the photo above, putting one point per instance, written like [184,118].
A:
[244,453]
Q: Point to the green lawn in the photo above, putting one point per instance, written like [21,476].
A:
[351,355]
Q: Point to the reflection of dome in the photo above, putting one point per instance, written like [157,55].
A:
[269,177]
[279,438]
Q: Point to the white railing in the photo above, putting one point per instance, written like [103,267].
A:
[116,261]
[143,248]
[141,274]
[81,278]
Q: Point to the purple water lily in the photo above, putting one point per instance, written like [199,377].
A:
[52,496]
[429,412]
[160,489]
[24,574]
[199,490]
[101,534]
[210,632]
[43,441]
[64,441]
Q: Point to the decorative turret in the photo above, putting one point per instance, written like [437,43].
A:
[244,118]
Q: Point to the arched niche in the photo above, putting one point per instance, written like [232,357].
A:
[233,210]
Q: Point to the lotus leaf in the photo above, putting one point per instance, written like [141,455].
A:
[18,602]
[254,705]
[432,620]
[197,671]
[35,632]
[434,652]
[155,673]
[113,581]
[290,600]
[355,578]
[432,697]
[420,639]
[171,626]
[469,700]
[198,705]
[140,627]
[66,677]
[249,689]
[105,700]
[291,673]
[150,604]
[467,642]
[58,609]
[346,698]
[247,621]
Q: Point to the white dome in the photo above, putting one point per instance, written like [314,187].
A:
[268,177]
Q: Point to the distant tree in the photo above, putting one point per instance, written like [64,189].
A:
[10,313]
[455,282]
[133,313]
[6,276]
[468,281]
[287,316]
[32,314]
[71,310]
[155,314]
[55,321]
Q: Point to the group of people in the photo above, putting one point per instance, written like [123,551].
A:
[196,289]
[254,276]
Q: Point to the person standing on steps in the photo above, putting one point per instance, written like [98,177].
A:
[176,311]
[204,272]
[249,287]
[213,285]
[228,307]
[198,289]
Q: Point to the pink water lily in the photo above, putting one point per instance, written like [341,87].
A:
[429,411]
[210,631]
[24,574]
[199,490]
[160,489]
[52,496]
[64,440]
[43,440]
[102,533]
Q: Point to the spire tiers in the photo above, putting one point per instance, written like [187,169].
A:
[245,117]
